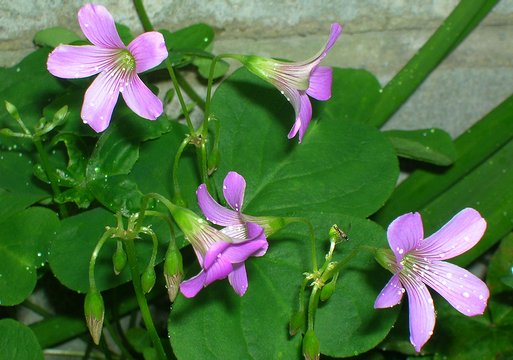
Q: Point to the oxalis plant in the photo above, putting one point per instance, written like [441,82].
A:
[271,227]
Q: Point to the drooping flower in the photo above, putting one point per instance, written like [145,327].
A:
[297,80]
[116,64]
[234,187]
[417,262]
[221,253]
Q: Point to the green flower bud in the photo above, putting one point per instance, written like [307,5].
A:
[328,290]
[94,313]
[213,161]
[296,322]
[311,346]
[336,234]
[148,279]
[119,259]
[12,110]
[173,272]
[386,258]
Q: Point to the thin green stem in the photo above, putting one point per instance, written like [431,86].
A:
[185,111]
[36,308]
[106,235]
[45,163]
[313,245]
[313,303]
[155,244]
[143,16]
[114,335]
[176,163]
[339,265]
[189,90]
[141,299]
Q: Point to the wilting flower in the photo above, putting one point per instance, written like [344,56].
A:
[417,262]
[116,64]
[221,253]
[298,80]
[234,187]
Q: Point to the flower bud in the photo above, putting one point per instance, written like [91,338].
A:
[386,258]
[94,313]
[311,346]
[328,290]
[213,161]
[296,322]
[173,272]
[148,279]
[12,110]
[119,259]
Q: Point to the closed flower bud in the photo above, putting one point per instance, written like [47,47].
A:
[213,161]
[173,272]
[119,260]
[94,313]
[311,346]
[296,322]
[328,290]
[148,279]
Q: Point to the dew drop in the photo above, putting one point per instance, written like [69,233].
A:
[121,89]
[449,275]
[466,295]
[18,69]
[224,187]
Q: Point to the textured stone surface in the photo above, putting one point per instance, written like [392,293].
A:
[379,35]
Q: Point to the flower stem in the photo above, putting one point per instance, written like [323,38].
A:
[172,75]
[141,299]
[106,235]
[176,185]
[329,273]
[49,174]
[313,303]
[143,16]
[189,90]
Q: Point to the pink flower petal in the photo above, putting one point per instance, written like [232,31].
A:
[141,100]
[99,101]
[237,233]
[320,83]
[405,233]
[219,270]
[98,26]
[71,62]
[391,294]
[422,311]
[463,290]
[305,115]
[214,252]
[190,288]
[148,50]
[238,279]
[335,31]
[238,253]
[214,212]
[460,234]
[234,187]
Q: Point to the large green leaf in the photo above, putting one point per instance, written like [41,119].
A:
[220,325]
[55,36]
[18,341]
[24,242]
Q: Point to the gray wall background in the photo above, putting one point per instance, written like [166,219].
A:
[379,35]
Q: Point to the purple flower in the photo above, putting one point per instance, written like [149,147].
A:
[417,262]
[116,64]
[221,253]
[298,80]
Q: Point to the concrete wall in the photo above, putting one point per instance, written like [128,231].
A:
[379,35]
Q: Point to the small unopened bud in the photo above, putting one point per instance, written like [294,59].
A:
[119,259]
[386,258]
[148,279]
[12,110]
[296,322]
[173,272]
[336,234]
[213,161]
[328,290]
[94,313]
[311,346]
[60,116]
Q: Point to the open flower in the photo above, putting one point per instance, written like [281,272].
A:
[221,253]
[234,187]
[417,262]
[116,64]
[298,80]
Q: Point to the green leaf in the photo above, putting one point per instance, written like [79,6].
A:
[428,145]
[124,33]
[341,166]
[190,38]
[221,325]
[24,242]
[55,36]
[18,341]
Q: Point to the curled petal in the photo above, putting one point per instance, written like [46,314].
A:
[71,62]
[148,50]
[219,270]
[422,312]
[336,30]
[234,187]
[98,26]
[238,253]
[237,233]
[214,212]
[305,115]
[460,234]
[99,101]
[320,83]
[190,288]
[214,252]
[255,231]
[141,100]
[391,294]
[464,291]
[238,279]
[405,233]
